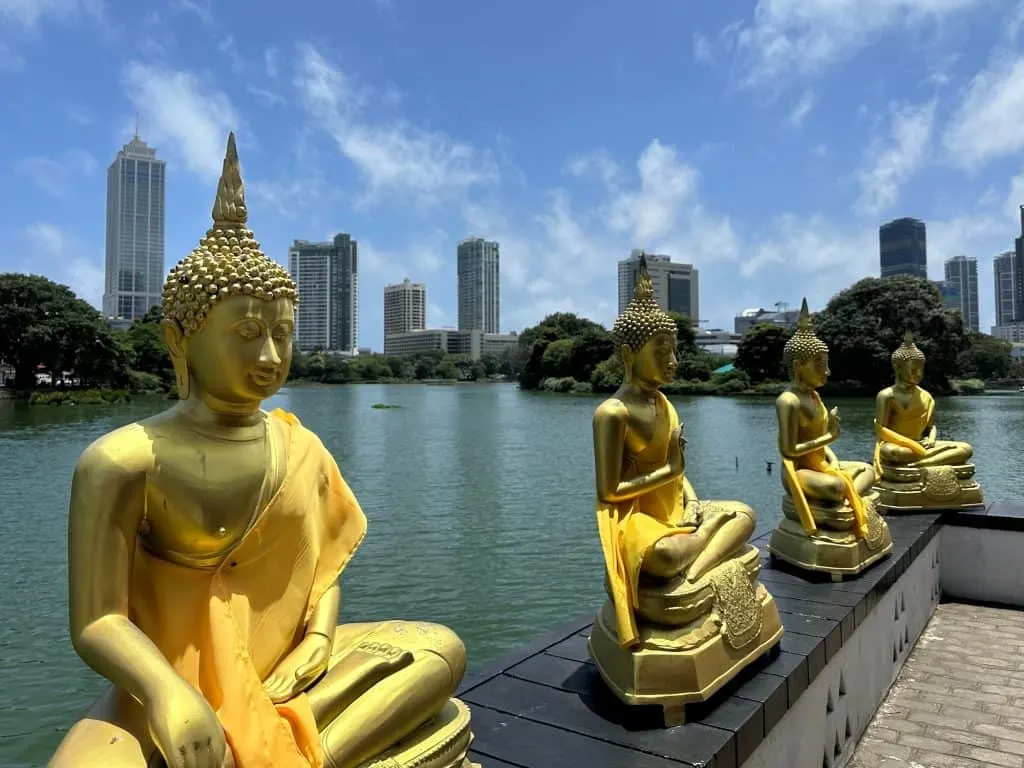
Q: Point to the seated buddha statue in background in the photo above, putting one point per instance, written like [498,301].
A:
[915,470]
[686,611]
[829,520]
[205,549]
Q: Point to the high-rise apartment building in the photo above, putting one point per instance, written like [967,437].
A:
[676,285]
[405,309]
[962,281]
[134,272]
[1004,274]
[327,277]
[479,285]
[903,248]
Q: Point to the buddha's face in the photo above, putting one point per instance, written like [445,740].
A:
[910,371]
[243,350]
[656,361]
[814,372]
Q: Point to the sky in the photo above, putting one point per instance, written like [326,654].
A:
[762,141]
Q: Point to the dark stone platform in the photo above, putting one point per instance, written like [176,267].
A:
[545,706]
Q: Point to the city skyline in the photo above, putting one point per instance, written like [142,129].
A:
[777,190]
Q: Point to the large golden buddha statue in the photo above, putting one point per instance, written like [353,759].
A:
[915,469]
[829,520]
[205,549]
[686,611]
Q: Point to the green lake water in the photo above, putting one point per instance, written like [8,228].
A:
[480,502]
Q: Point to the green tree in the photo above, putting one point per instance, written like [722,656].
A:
[148,353]
[608,375]
[863,324]
[760,353]
[44,323]
[686,335]
[555,360]
[986,357]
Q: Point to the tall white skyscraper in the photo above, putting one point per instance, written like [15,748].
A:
[1003,270]
[405,309]
[676,285]
[962,282]
[327,277]
[134,271]
[478,280]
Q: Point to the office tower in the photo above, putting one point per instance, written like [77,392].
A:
[405,309]
[903,248]
[962,282]
[478,285]
[134,272]
[676,285]
[327,277]
[1018,272]
[1003,271]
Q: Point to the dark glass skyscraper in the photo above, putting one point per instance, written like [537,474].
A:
[903,248]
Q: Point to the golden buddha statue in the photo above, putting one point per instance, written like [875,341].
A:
[915,470]
[686,611]
[830,522]
[205,549]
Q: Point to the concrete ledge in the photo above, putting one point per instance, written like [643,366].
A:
[981,555]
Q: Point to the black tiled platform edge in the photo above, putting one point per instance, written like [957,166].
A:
[545,705]
[997,515]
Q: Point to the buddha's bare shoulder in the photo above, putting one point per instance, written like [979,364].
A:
[125,452]
[612,410]
[787,399]
[884,394]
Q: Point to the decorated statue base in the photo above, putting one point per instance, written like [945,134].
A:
[834,549]
[694,638]
[441,742]
[921,489]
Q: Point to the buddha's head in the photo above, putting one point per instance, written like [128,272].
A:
[646,336]
[229,310]
[805,356]
[908,362]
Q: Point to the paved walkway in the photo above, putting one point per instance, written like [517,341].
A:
[959,700]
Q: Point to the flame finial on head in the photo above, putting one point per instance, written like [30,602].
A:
[229,208]
[228,260]
[804,344]
[643,318]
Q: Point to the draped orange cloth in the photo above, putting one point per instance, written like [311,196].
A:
[908,428]
[224,630]
[817,461]
[629,529]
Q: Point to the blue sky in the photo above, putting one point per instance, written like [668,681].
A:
[762,141]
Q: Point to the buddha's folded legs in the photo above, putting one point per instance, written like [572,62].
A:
[823,486]
[112,734]
[726,527]
[385,680]
[941,454]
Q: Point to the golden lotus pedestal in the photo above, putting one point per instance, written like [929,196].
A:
[834,549]
[922,489]
[694,638]
[441,742]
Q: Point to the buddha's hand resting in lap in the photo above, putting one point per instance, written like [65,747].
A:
[296,671]
[185,729]
[928,441]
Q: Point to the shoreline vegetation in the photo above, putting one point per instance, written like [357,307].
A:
[46,328]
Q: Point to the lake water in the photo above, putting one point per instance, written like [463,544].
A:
[480,502]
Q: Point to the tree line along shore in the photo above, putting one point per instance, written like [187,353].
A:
[45,327]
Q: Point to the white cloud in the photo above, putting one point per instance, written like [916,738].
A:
[271,62]
[989,122]
[395,158]
[703,50]
[802,109]
[56,175]
[802,37]
[200,8]
[599,164]
[891,163]
[182,113]
[50,251]
[29,13]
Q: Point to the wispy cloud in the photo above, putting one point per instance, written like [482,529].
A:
[989,122]
[892,161]
[802,109]
[57,175]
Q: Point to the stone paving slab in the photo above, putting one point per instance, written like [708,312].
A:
[959,700]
